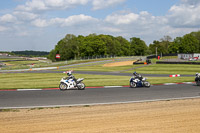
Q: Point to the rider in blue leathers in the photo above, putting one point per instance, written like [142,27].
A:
[138,76]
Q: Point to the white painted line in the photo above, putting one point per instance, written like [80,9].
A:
[109,103]
[29,89]
[111,86]
[170,83]
[188,83]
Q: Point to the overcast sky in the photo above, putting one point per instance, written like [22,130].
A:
[40,24]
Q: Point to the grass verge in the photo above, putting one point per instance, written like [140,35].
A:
[51,80]
[100,68]
[168,69]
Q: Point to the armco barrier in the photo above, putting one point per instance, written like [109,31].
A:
[177,62]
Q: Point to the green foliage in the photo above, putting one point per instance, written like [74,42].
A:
[138,46]
[75,47]
[161,46]
[72,47]
[125,46]
[156,46]
[189,43]
[30,53]
[52,55]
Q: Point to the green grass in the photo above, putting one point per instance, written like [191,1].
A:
[50,80]
[9,110]
[168,69]
[147,69]
[25,64]
[100,68]
[7,59]
[163,58]
[11,65]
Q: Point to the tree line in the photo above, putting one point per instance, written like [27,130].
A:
[30,53]
[189,43]
[76,47]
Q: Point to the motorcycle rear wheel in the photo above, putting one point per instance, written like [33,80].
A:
[133,85]
[63,86]
[198,83]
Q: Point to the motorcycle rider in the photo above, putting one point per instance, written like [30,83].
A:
[197,79]
[138,76]
[70,76]
[197,74]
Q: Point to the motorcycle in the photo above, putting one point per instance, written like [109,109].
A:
[66,84]
[135,82]
[197,79]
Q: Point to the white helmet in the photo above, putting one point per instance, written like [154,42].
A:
[69,73]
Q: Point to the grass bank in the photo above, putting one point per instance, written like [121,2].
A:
[168,69]
[186,69]
[100,68]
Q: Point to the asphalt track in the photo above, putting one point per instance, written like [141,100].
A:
[93,96]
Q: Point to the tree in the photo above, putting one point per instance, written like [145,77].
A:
[165,42]
[66,47]
[157,47]
[52,55]
[174,47]
[71,47]
[197,36]
[186,44]
[125,46]
[189,44]
[138,46]
[92,45]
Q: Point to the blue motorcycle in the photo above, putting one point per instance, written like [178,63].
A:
[136,82]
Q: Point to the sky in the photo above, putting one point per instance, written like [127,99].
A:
[40,24]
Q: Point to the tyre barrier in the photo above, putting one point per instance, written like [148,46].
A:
[139,62]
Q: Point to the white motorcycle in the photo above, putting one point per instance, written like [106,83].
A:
[66,84]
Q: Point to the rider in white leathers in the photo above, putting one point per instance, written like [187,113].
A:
[70,76]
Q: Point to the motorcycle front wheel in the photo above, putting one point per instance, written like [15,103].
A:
[63,86]
[81,86]
[133,85]
[147,84]
[198,83]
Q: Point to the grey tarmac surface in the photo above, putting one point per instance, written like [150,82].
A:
[90,96]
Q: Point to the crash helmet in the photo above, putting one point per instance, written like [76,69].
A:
[134,73]
[69,73]
[197,74]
